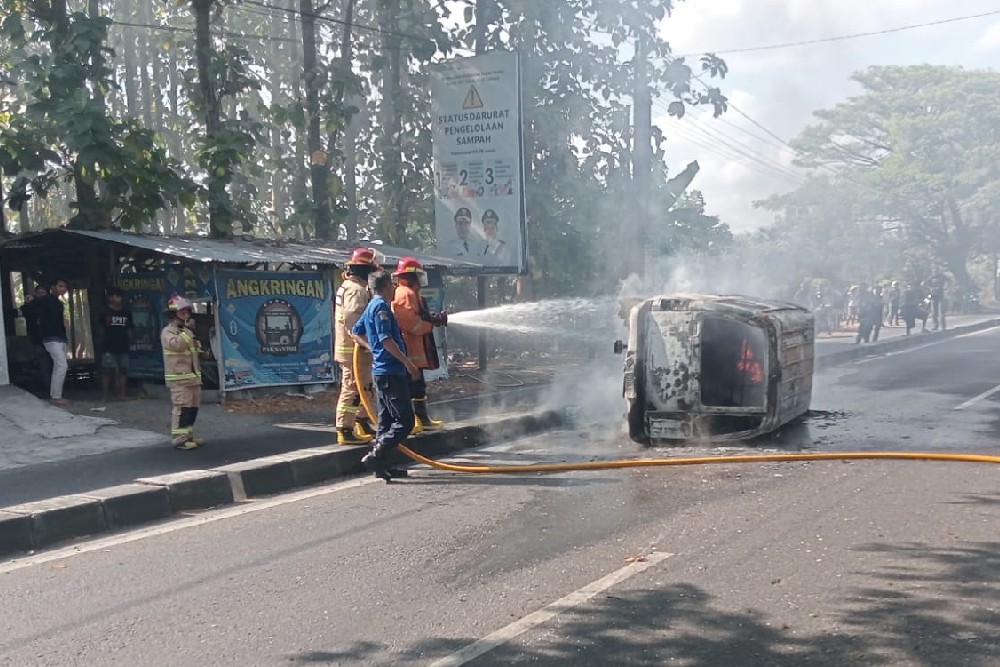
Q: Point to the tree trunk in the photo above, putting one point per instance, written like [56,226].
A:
[148,53]
[219,219]
[277,145]
[392,152]
[350,174]
[319,159]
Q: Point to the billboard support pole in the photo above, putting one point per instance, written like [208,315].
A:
[481,25]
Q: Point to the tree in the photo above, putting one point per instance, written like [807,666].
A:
[919,152]
[227,142]
[59,129]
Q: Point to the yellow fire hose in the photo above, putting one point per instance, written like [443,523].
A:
[678,461]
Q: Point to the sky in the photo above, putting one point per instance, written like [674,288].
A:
[780,88]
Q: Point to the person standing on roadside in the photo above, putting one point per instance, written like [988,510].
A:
[116,324]
[353,425]
[418,323]
[895,296]
[31,314]
[182,371]
[51,314]
[378,330]
[936,288]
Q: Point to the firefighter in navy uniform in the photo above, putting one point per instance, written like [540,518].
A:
[417,324]
[182,371]
[354,426]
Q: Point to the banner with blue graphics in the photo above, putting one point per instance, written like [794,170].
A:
[277,328]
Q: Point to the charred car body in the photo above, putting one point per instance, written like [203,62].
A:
[716,368]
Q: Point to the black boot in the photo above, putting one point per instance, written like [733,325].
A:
[375,462]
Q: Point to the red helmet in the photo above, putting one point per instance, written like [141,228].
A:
[412,268]
[362,257]
[408,265]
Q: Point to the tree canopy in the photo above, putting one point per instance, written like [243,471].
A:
[310,118]
[909,167]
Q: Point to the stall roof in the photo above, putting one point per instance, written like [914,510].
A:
[241,251]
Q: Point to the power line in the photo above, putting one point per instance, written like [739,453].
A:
[728,151]
[328,19]
[218,33]
[842,38]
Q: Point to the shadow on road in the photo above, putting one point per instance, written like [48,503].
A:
[929,606]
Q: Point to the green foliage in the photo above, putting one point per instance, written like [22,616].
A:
[912,164]
[59,130]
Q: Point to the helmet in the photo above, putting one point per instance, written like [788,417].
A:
[362,257]
[411,266]
[177,303]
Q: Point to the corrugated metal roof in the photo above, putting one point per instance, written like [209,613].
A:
[239,251]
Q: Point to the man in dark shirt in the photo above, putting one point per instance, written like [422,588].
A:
[52,330]
[116,322]
[30,312]
[378,330]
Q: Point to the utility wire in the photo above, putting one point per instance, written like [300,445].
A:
[728,151]
[842,38]
[328,19]
[218,33]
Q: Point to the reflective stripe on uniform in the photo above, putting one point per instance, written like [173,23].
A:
[181,376]
[182,431]
[345,348]
[348,409]
[415,327]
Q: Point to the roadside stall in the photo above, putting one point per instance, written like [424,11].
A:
[263,308]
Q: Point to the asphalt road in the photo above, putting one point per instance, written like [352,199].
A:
[863,563]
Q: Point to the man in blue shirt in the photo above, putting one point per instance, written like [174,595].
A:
[378,330]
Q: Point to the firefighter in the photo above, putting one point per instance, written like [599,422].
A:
[354,426]
[417,323]
[182,371]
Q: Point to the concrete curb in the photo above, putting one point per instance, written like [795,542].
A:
[43,523]
[856,352]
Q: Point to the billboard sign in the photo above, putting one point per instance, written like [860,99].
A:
[478,168]
[277,328]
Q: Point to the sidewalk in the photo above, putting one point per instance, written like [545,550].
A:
[46,452]
[847,336]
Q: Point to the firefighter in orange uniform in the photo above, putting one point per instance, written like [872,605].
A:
[417,324]
[354,426]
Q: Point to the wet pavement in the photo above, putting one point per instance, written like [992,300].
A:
[786,564]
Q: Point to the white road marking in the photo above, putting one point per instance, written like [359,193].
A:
[981,397]
[248,507]
[534,619]
[925,346]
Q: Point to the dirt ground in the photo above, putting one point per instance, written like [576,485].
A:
[236,418]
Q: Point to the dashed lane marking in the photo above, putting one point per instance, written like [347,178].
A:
[547,613]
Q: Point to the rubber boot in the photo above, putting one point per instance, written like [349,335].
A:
[347,436]
[363,428]
[422,419]
[375,462]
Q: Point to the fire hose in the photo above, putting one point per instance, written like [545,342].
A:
[676,461]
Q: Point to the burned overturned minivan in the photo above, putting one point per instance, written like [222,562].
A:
[715,368]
